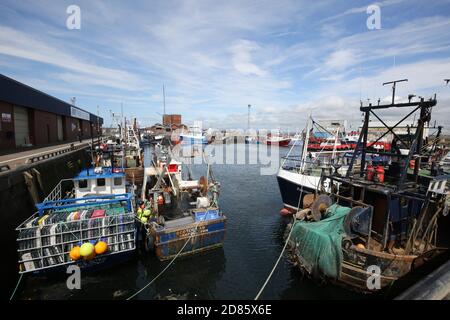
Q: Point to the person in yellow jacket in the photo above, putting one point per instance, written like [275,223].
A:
[144,212]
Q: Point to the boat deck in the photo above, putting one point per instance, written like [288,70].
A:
[179,222]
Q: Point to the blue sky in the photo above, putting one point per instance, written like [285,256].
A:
[285,58]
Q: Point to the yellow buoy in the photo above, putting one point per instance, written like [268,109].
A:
[360,246]
[101,247]
[86,249]
[75,253]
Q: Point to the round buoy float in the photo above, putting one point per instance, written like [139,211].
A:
[86,249]
[101,247]
[75,253]
[360,246]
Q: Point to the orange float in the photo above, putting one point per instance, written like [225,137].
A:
[100,247]
[75,253]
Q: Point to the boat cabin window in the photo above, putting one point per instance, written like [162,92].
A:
[101,182]
[82,184]
[117,181]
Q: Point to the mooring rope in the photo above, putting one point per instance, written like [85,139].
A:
[276,263]
[17,286]
[282,251]
[170,263]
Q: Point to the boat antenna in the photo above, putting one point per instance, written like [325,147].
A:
[394,83]
[248,117]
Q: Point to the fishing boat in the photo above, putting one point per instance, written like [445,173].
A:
[278,140]
[95,209]
[299,174]
[186,217]
[193,135]
[366,229]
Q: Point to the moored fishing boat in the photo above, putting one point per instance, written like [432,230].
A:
[88,221]
[181,217]
[278,140]
[365,230]
[299,174]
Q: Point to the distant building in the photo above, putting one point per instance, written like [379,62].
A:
[30,117]
[171,119]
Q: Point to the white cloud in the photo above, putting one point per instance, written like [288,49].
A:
[215,58]
[340,59]
[242,59]
[362,9]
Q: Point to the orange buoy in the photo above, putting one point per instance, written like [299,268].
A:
[360,246]
[75,253]
[100,247]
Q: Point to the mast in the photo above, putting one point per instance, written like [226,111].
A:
[248,117]
[305,144]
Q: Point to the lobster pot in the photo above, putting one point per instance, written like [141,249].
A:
[46,241]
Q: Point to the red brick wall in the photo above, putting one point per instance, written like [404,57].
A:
[45,128]
[7,128]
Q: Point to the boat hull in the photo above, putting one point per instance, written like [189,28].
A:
[280,143]
[100,263]
[201,237]
[293,188]
[187,140]
[356,273]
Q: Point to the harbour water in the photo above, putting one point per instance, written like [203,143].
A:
[254,240]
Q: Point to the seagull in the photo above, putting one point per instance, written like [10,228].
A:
[446,81]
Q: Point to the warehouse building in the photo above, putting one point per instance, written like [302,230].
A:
[30,117]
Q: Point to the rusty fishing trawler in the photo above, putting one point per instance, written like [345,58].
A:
[183,215]
[382,218]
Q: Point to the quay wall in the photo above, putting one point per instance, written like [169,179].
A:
[17,203]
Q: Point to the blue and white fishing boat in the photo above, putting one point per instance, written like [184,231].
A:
[185,215]
[95,206]
[193,136]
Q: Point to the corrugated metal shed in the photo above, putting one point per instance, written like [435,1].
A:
[20,94]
